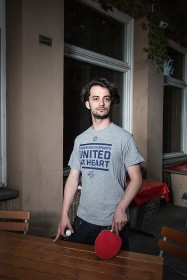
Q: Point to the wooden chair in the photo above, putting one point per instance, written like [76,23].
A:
[173,243]
[12,220]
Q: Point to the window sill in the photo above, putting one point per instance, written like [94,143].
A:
[7,193]
[175,160]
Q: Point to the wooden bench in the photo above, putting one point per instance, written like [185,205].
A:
[173,243]
[12,220]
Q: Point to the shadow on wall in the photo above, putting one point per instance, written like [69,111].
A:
[44,224]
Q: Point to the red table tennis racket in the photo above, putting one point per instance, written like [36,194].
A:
[107,244]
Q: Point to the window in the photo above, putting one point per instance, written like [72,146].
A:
[86,28]
[172,119]
[97,44]
[174,113]
[2,97]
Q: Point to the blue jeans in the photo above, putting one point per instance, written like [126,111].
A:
[86,233]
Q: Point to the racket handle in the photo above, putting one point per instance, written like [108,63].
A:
[113,230]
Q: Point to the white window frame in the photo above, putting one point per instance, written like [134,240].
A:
[125,67]
[3,160]
[182,85]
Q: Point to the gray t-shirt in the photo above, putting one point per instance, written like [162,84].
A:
[102,157]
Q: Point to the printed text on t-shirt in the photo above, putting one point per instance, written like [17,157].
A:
[95,156]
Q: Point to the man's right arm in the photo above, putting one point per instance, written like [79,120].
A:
[69,193]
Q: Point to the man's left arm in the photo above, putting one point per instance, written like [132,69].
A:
[120,217]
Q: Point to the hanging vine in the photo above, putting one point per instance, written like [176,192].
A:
[158,45]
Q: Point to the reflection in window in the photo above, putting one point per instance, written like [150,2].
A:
[174,67]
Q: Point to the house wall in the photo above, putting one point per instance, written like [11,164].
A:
[147,105]
[140,89]
[35,109]
[155,123]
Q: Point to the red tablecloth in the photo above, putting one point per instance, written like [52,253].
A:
[150,190]
[179,166]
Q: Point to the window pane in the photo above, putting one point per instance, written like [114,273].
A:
[172,122]
[86,28]
[76,116]
[177,64]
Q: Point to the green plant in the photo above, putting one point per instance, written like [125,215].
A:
[158,46]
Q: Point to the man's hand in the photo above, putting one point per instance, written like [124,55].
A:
[64,223]
[119,219]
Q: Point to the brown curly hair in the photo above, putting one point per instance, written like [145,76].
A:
[103,82]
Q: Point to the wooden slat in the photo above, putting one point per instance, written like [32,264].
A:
[173,250]
[77,246]
[81,261]
[141,257]
[174,235]
[81,270]
[63,264]
[65,249]
[15,236]
[14,226]
[173,243]
[7,278]
[24,274]
[65,260]
[48,254]
[15,214]
[14,220]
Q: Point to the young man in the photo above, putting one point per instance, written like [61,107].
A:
[103,154]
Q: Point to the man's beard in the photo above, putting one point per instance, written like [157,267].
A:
[100,116]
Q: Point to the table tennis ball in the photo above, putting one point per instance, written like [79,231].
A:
[68,232]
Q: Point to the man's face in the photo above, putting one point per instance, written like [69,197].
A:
[99,102]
